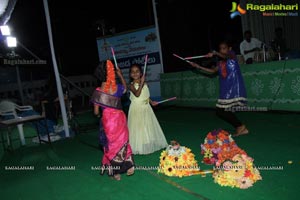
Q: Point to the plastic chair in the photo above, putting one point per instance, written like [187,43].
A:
[9,109]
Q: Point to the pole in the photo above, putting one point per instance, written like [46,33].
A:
[264,52]
[20,85]
[20,88]
[157,33]
[56,72]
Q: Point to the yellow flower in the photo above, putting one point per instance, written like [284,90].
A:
[245,183]
[208,153]
[180,173]
[169,171]
[163,153]
[256,175]
[235,172]
[183,165]
[170,158]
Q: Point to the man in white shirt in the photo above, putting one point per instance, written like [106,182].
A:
[249,46]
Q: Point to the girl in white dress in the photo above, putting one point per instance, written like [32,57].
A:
[145,133]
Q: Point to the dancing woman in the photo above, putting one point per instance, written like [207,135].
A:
[114,135]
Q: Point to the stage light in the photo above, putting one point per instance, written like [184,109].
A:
[11,41]
[5,30]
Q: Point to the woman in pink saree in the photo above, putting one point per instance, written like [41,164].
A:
[114,135]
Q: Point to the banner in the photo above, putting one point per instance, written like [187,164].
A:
[131,48]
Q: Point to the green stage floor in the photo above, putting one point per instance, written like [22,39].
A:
[274,140]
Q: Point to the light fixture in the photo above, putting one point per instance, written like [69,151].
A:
[11,41]
[5,30]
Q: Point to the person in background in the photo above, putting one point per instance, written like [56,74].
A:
[249,46]
[279,44]
[49,100]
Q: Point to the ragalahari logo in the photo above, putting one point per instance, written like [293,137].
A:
[236,10]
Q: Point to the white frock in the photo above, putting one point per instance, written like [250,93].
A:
[145,133]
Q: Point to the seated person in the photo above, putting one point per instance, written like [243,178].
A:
[50,108]
[50,100]
[42,129]
[279,44]
[249,46]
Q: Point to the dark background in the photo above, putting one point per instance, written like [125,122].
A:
[186,28]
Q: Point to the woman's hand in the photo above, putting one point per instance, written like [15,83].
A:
[153,103]
[193,64]
[119,72]
[142,80]
[209,55]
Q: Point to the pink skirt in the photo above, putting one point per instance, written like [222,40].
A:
[118,154]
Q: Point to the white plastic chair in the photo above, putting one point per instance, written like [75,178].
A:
[8,108]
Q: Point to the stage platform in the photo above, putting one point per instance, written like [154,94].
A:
[273,141]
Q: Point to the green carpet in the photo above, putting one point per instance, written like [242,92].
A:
[273,142]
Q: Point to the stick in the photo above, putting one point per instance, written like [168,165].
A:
[181,58]
[194,57]
[115,60]
[170,99]
[145,65]
[207,171]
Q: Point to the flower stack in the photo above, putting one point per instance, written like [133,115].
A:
[233,167]
[178,161]
[219,146]
[237,172]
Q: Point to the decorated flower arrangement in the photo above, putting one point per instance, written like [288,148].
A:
[233,167]
[178,161]
[238,172]
[110,77]
[219,146]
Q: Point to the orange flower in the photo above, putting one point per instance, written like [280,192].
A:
[223,136]
[110,77]
[210,136]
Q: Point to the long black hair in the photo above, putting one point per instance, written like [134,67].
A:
[100,72]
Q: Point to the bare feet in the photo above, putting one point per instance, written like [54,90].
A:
[130,171]
[117,177]
[241,130]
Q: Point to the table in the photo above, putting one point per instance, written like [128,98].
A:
[22,120]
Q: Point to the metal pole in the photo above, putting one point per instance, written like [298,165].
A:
[20,85]
[20,88]
[264,51]
[56,72]
[157,33]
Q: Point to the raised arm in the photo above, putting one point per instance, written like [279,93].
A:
[212,71]
[137,92]
[220,55]
[230,55]
[119,72]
